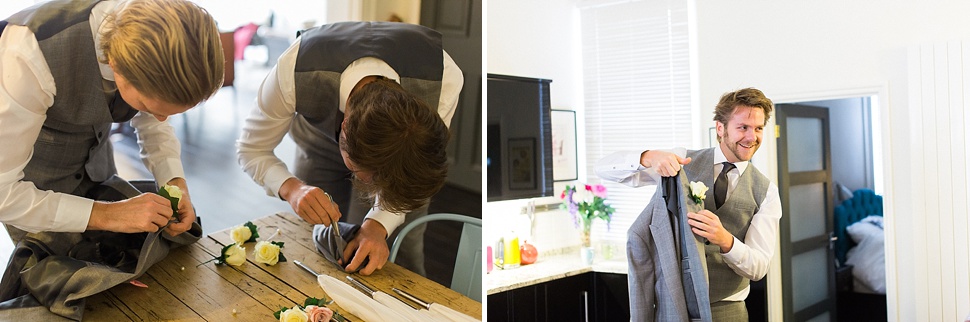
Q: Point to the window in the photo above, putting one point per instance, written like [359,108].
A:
[637,81]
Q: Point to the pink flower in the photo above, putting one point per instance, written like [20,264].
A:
[599,190]
[318,313]
[562,195]
[589,188]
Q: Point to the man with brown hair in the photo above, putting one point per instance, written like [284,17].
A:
[368,105]
[71,69]
[742,207]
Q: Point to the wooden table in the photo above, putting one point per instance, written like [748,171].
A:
[178,289]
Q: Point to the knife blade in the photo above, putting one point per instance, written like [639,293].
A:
[425,305]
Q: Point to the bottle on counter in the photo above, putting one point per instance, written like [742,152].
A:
[488,259]
[512,257]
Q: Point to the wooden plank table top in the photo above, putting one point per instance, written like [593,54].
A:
[181,289]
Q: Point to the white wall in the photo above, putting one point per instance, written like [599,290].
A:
[798,51]
[537,39]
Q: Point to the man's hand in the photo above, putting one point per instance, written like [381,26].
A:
[309,202]
[186,214]
[665,163]
[146,212]
[706,224]
[371,242]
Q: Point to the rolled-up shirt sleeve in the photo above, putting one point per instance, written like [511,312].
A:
[624,167]
[160,149]
[750,258]
[268,123]
[389,220]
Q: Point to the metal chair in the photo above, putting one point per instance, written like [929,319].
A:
[467,277]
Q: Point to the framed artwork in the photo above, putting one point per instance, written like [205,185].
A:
[565,164]
[522,164]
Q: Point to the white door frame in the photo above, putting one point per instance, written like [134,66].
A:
[882,176]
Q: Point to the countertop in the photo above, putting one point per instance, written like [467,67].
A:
[548,268]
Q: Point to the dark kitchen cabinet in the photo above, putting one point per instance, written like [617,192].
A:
[589,296]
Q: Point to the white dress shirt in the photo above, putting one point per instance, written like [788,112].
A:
[27,90]
[270,121]
[749,259]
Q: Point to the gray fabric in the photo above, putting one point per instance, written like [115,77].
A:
[411,253]
[73,142]
[331,244]
[50,274]
[662,274]
[735,215]
[729,311]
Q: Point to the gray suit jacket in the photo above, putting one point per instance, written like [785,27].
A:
[662,274]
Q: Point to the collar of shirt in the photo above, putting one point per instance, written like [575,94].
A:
[359,69]
[719,157]
[98,13]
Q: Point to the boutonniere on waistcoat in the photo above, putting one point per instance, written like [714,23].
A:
[698,191]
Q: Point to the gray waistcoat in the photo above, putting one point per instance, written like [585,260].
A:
[735,214]
[413,51]
[73,142]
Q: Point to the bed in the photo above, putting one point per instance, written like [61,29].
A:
[860,257]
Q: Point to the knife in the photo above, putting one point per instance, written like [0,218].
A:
[425,305]
[332,223]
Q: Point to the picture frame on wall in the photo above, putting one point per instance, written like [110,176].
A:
[522,163]
[565,163]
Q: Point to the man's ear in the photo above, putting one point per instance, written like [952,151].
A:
[720,129]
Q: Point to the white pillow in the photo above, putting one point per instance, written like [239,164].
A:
[869,256]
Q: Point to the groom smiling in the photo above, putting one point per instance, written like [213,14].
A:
[741,214]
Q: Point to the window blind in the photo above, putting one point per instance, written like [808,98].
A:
[636,70]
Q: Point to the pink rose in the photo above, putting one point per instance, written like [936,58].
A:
[318,313]
[599,191]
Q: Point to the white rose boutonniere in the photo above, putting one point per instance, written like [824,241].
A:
[173,194]
[268,253]
[244,233]
[293,315]
[697,191]
[233,254]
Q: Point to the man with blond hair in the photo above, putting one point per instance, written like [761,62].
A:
[741,209]
[368,105]
[71,69]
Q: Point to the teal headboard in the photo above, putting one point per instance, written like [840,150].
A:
[864,203]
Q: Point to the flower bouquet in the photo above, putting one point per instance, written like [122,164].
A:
[586,205]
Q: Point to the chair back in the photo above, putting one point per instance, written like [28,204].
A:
[467,275]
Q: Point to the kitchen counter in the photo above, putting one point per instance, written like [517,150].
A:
[548,267]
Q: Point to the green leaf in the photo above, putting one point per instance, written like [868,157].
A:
[282,258]
[281,310]
[221,259]
[252,229]
[277,243]
[312,301]
[173,200]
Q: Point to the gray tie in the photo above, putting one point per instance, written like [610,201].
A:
[721,185]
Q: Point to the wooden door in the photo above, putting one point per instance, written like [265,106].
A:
[805,185]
